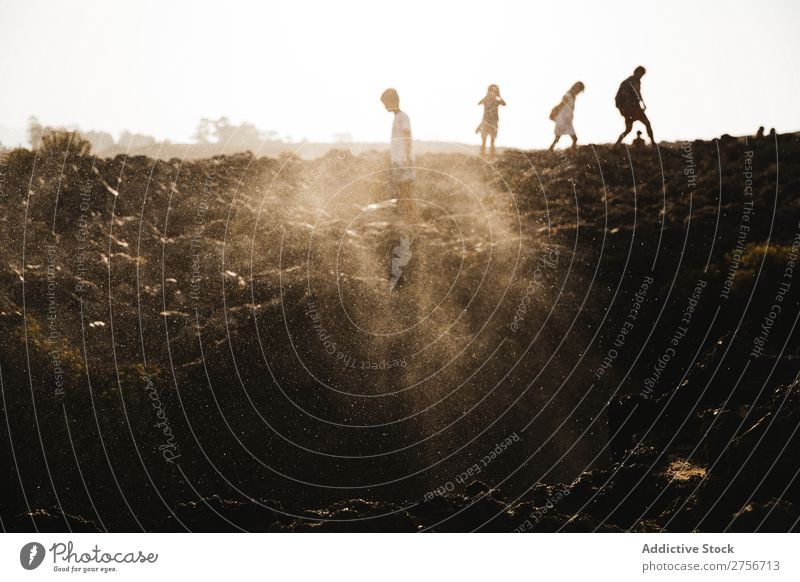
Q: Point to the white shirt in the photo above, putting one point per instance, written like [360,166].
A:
[397,149]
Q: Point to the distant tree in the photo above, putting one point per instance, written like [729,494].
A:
[203,132]
[233,138]
[125,139]
[247,137]
[269,135]
[223,130]
[100,140]
[132,141]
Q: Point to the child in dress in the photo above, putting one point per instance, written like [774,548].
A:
[563,113]
[488,126]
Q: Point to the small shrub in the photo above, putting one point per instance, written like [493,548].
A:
[60,142]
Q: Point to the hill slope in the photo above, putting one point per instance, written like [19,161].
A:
[585,340]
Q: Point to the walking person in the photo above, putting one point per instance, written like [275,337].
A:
[631,105]
[563,114]
[401,154]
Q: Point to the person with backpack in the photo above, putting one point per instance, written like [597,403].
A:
[563,113]
[631,105]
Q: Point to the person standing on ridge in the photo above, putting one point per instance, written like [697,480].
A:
[631,105]
[402,157]
[563,113]
[491,117]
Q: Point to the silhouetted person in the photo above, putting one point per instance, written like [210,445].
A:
[631,105]
[402,156]
[760,133]
[563,113]
[772,133]
[639,141]
[491,117]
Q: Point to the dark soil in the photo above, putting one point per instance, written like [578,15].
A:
[214,345]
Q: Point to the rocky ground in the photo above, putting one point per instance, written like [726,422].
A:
[601,339]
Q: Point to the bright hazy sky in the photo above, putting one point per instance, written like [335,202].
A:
[314,68]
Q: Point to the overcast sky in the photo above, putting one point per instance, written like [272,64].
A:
[314,68]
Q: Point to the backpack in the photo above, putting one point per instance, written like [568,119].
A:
[626,97]
[554,112]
